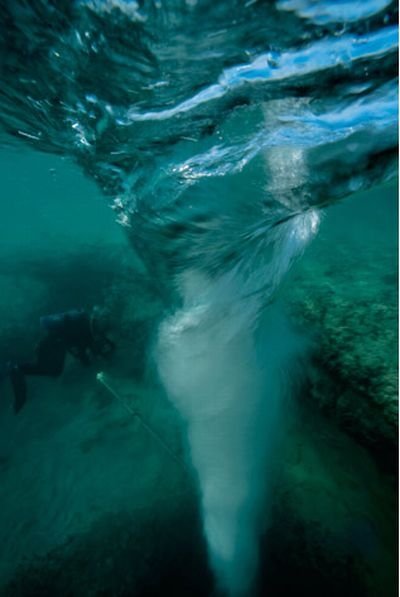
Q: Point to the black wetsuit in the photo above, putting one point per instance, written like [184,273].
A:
[65,332]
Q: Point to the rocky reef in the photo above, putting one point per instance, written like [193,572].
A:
[349,306]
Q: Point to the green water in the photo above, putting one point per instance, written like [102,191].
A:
[221,177]
[75,454]
[84,481]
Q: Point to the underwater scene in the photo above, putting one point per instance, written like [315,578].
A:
[199,298]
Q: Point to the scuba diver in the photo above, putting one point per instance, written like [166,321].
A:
[81,334]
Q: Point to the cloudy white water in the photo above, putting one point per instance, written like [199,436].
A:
[218,132]
[231,377]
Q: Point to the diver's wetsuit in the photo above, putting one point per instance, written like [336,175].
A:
[65,332]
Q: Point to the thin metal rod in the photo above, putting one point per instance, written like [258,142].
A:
[101,378]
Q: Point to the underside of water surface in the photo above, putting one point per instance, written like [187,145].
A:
[221,178]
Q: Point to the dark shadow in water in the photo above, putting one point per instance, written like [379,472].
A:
[165,554]
[298,563]
[124,556]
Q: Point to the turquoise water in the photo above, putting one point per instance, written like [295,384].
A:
[223,178]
